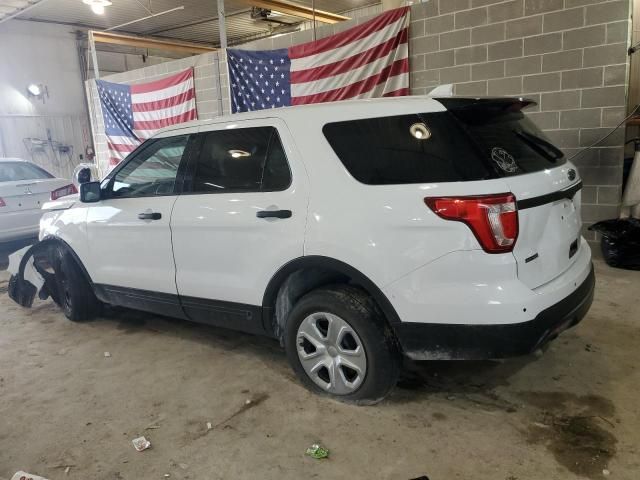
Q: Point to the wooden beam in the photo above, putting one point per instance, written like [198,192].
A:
[153,43]
[297,10]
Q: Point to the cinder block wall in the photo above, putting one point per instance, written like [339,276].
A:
[570,56]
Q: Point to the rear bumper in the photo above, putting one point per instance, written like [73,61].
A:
[438,341]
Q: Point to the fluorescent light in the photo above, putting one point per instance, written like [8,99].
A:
[97,6]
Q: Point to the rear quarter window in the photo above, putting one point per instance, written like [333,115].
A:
[473,140]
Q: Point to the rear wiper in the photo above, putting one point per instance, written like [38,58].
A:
[540,145]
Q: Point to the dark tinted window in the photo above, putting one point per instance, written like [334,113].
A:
[472,141]
[243,159]
[512,142]
[18,171]
[152,170]
[380,151]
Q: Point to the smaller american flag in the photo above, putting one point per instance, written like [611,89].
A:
[366,61]
[133,113]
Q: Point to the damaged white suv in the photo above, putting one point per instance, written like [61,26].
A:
[353,232]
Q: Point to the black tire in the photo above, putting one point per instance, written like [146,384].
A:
[358,309]
[74,293]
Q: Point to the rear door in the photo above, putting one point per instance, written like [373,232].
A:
[241,218]
[546,186]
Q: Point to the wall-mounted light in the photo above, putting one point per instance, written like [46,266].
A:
[34,90]
[97,6]
[37,90]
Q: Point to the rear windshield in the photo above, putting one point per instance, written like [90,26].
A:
[18,171]
[462,144]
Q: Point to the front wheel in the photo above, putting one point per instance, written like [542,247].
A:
[340,346]
[74,293]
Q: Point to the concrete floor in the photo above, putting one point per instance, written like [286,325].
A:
[566,414]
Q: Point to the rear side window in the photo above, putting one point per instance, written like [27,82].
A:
[241,160]
[417,148]
[19,171]
[462,144]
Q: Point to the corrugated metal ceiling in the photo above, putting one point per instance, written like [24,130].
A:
[196,23]
[13,7]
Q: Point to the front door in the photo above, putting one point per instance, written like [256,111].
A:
[241,218]
[131,259]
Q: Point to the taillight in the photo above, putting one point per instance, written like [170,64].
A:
[64,191]
[2,204]
[493,219]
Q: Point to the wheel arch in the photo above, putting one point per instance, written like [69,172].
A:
[50,241]
[303,274]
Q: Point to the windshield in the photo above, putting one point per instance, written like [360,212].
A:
[18,171]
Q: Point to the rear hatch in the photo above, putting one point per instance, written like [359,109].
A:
[546,186]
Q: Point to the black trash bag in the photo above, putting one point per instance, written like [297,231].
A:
[620,242]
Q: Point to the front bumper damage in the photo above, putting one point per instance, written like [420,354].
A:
[31,274]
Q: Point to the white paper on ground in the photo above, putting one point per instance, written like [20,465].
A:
[20,475]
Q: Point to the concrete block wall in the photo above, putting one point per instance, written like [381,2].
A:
[570,56]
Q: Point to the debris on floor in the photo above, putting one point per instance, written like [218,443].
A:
[249,403]
[20,475]
[141,443]
[316,451]
[107,354]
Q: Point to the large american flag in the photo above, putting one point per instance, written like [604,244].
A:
[133,113]
[369,60]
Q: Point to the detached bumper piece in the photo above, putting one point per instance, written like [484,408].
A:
[28,277]
[432,341]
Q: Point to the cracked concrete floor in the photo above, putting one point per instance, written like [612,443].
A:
[569,413]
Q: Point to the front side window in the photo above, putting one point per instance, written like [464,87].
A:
[153,170]
[241,160]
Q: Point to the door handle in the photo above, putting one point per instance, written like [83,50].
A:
[274,214]
[150,216]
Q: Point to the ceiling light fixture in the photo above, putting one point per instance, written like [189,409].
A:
[420,131]
[239,153]
[97,6]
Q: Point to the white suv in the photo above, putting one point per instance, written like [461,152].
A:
[353,232]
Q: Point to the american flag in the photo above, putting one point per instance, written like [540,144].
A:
[369,60]
[133,113]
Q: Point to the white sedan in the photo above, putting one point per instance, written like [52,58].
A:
[24,188]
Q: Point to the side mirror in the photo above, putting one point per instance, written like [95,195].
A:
[84,175]
[90,192]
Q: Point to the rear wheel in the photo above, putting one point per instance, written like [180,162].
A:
[340,346]
[74,294]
